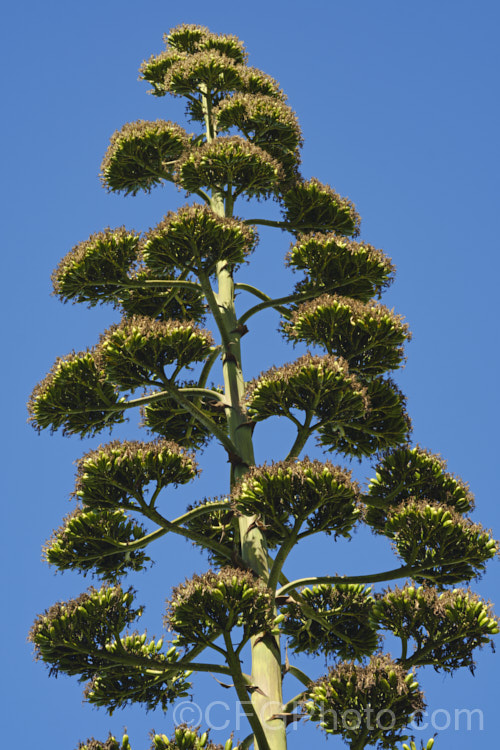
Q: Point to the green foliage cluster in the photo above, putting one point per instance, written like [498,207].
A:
[168,281]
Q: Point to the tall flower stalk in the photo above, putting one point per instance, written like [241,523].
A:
[167,282]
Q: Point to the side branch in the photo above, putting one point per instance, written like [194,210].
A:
[156,667]
[189,406]
[388,575]
[215,310]
[145,283]
[279,302]
[176,527]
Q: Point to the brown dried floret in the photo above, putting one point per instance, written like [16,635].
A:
[162,302]
[368,335]
[344,629]
[165,416]
[264,119]
[196,238]
[93,541]
[92,744]
[197,63]
[232,165]
[190,38]
[72,636]
[143,154]
[288,371]
[156,67]
[215,520]
[255,81]
[155,685]
[186,37]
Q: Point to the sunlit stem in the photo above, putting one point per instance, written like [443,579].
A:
[266,660]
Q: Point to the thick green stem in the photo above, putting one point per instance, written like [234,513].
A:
[241,691]
[266,660]
[269,734]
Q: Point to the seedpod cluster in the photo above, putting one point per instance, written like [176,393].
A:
[158,361]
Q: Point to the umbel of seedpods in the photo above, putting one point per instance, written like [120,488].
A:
[168,281]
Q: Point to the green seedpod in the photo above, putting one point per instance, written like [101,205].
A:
[466,544]
[70,643]
[339,397]
[392,677]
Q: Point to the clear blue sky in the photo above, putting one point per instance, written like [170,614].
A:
[399,108]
